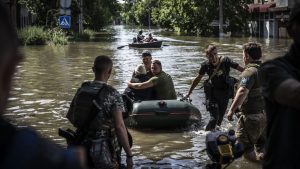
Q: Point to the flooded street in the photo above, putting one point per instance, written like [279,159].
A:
[48,77]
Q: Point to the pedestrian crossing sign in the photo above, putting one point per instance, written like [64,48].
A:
[65,21]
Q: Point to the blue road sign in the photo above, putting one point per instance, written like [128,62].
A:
[65,21]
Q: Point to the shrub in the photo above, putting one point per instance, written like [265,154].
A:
[57,36]
[87,34]
[33,36]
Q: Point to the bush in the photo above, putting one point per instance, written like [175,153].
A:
[90,32]
[57,36]
[87,34]
[33,36]
[38,36]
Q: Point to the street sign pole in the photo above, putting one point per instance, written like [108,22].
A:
[80,18]
[65,14]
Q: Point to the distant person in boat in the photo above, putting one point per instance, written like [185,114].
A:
[216,87]
[252,117]
[281,90]
[140,37]
[150,38]
[22,147]
[139,77]
[146,60]
[161,82]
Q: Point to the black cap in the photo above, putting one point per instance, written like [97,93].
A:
[146,53]
[295,13]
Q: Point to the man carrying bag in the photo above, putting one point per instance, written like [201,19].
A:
[96,112]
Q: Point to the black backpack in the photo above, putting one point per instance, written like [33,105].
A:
[84,105]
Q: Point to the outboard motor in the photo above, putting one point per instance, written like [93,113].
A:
[222,148]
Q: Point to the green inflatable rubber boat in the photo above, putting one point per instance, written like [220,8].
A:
[163,114]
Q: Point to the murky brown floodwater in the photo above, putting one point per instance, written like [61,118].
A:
[49,76]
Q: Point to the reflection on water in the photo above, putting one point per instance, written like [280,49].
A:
[49,76]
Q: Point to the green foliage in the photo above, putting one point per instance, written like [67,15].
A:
[38,36]
[138,12]
[87,35]
[57,36]
[97,13]
[46,11]
[192,16]
[33,36]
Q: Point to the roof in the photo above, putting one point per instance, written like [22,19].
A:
[261,7]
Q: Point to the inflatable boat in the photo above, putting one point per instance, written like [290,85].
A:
[162,114]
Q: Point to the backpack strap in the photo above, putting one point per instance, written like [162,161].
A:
[96,101]
[83,131]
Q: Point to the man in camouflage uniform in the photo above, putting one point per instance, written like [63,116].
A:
[252,120]
[109,122]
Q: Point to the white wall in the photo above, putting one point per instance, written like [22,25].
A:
[282,3]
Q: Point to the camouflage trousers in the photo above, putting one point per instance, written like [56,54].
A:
[250,131]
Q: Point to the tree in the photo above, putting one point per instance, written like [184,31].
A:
[188,15]
[97,13]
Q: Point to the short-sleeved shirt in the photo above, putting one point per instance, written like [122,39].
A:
[111,100]
[250,79]
[282,150]
[163,86]
[218,80]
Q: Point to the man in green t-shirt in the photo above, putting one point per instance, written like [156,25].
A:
[161,82]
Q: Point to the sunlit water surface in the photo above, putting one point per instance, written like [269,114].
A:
[48,78]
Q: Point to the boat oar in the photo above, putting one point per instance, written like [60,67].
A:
[120,47]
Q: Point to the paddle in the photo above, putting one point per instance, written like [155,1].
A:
[120,47]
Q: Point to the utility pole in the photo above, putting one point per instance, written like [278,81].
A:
[149,21]
[220,18]
[80,18]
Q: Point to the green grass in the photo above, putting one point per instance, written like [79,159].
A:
[87,35]
[33,36]
[57,36]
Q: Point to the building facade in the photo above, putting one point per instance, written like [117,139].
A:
[270,17]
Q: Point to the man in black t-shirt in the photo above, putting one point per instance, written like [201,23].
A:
[281,90]
[217,68]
